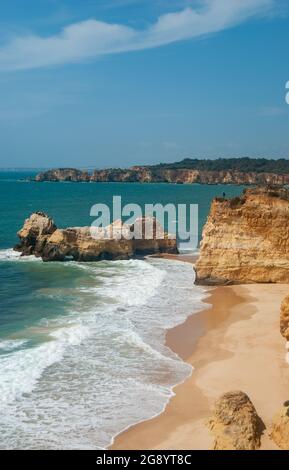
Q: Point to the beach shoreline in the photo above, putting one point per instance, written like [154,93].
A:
[234,344]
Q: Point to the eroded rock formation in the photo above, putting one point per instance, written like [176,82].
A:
[284,318]
[280,428]
[235,423]
[41,237]
[143,174]
[246,239]
[34,233]
[63,174]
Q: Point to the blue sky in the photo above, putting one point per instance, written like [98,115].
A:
[120,82]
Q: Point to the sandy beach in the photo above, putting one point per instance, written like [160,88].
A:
[233,345]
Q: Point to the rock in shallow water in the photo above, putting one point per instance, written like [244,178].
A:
[41,237]
[34,233]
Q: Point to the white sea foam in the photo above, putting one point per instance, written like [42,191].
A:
[10,344]
[10,255]
[21,370]
[85,384]
[140,283]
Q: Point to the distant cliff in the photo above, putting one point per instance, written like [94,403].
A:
[246,239]
[63,174]
[221,171]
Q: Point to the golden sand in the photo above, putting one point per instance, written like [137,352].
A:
[240,348]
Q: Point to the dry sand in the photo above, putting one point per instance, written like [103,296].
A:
[240,348]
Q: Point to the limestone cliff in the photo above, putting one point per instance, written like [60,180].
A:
[284,318]
[63,174]
[41,237]
[235,423]
[165,175]
[246,239]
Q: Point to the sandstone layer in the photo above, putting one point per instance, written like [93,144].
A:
[284,318]
[40,236]
[164,175]
[246,239]
[235,423]
[63,174]
[280,428]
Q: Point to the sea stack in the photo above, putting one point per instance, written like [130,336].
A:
[34,233]
[246,239]
[39,236]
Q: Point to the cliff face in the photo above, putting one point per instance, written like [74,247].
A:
[284,318]
[41,237]
[63,174]
[165,175]
[246,239]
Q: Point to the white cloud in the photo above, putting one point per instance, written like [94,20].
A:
[90,39]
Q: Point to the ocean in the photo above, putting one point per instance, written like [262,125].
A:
[82,345]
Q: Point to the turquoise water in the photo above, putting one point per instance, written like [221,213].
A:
[82,344]
[69,203]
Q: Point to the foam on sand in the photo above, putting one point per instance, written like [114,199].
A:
[83,384]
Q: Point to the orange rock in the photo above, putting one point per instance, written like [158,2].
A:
[246,239]
[280,428]
[235,423]
[40,236]
[284,318]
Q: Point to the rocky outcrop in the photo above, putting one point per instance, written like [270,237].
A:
[235,423]
[63,174]
[246,239]
[284,318]
[280,428]
[164,175]
[34,233]
[41,237]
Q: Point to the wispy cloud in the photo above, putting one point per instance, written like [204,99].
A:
[90,39]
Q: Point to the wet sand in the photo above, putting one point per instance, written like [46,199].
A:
[234,345]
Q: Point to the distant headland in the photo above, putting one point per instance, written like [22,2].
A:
[243,171]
